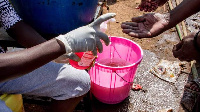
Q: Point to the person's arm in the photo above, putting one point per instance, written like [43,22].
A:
[153,24]
[161,2]
[182,11]
[25,35]
[15,64]
[150,5]
[16,28]
[198,40]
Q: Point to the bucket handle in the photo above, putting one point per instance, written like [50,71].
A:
[123,78]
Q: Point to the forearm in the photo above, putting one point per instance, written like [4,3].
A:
[25,35]
[182,11]
[162,2]
[15,64]
[16,28]
[197,40]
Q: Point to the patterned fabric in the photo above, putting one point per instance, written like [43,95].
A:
[2,50]
[8,16]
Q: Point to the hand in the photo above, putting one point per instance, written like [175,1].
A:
[185,50]
[146,26]
[86,38]
[150,5]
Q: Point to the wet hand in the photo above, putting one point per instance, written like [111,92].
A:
[146,26]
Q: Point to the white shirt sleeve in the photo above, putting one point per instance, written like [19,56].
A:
[8,16]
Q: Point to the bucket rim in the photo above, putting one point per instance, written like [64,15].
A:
[128,66]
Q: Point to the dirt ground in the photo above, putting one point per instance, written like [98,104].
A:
[155,49]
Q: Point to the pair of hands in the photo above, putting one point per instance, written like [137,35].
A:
[86,38]
[153,24]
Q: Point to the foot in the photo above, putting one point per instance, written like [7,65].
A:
[193,85]
[189,98]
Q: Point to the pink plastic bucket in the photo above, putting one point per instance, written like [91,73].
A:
[114,70]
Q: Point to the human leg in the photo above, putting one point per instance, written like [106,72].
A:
[194,87]
[67,105]
[58,81]
[196,107]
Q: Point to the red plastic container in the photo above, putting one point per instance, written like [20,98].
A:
[87,59]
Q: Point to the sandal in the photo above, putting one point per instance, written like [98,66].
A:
[191,94]
[193,86]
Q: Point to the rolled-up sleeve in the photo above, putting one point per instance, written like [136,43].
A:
[8,16]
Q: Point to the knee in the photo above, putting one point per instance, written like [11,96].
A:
[83,81]
[76,82]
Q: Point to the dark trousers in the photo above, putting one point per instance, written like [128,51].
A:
[196,107]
